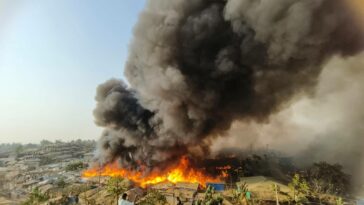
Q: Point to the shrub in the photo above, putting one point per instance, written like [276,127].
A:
[153,197]
[36,197]
[76,166]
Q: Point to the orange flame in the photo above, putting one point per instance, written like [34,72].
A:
[182,172]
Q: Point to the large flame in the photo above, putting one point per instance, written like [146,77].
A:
[182,172]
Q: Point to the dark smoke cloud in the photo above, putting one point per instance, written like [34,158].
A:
[327,126]
[197,66]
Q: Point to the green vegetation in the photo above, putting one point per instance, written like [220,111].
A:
[18,150]
[153,197]
[61,183]
[325,178]
[210,198]
[339,201]
[45,142]
[45,161]
[276,190]
[75,166]
[36,197]
[239,193]
[115,186]
[300,189]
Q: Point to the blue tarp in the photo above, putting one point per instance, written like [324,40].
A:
[216,186]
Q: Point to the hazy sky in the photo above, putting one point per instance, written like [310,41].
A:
[53,54]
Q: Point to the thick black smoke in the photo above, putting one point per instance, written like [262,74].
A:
[197,66]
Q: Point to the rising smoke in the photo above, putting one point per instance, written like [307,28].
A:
[327,126]
[195,67]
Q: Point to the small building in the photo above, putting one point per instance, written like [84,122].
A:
[163,186]
[135,192]
[185,191]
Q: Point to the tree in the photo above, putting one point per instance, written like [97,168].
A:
[327,178]
[239,193]
[300,189]
[58,142]
[75,166]
[317,189]
[276,190]
[18,150]
[61,183]
[115,186]
[211,198]
[45,161]
[45,143]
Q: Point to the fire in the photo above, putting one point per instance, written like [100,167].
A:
[224,170]
[182,172]
[227,167]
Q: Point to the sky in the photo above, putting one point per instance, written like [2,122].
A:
[53,54]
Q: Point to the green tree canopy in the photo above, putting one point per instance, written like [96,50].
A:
[115,186]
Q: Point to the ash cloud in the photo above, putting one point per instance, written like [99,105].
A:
[195,67]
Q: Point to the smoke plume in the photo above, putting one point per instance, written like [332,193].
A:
[195,67]
[326,126]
